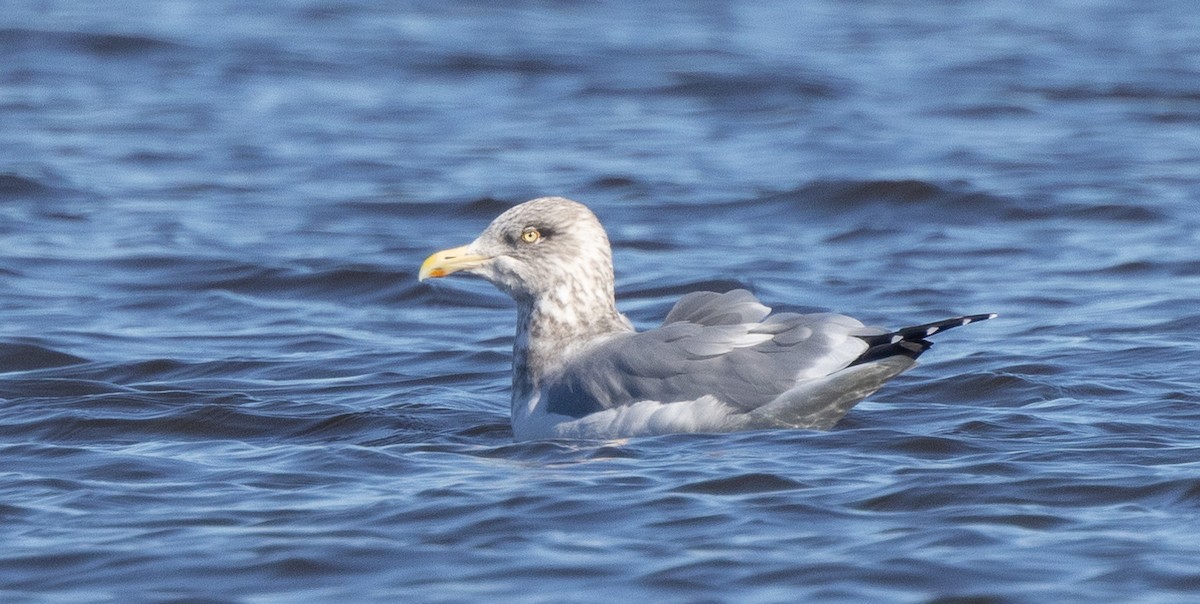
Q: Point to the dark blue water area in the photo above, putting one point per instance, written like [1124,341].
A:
[220,380]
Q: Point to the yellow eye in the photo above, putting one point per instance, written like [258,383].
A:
[530,235]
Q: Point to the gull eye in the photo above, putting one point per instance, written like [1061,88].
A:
[530,235]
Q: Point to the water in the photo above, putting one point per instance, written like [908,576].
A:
[222,382]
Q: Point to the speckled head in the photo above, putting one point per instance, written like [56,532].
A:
[547,245]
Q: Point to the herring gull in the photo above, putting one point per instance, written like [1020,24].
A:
[721,362]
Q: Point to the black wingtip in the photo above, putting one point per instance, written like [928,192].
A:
[910,341]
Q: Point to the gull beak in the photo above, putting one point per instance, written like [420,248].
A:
[450,261]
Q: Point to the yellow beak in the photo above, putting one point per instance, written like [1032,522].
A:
[449,261]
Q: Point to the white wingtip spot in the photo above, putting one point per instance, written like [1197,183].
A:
[896,339]
[931,331]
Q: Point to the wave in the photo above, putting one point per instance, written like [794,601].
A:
[1123,91]
[14,186]
[73,409]
[957,199]
[98,44]
[27,357]
[740,86]
[362,282]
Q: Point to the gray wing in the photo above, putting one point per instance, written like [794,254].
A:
[720,345]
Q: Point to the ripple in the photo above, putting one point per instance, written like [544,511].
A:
[899,201]
[26,357]
[744,484]
[99,44]
[19,187]
[741,86]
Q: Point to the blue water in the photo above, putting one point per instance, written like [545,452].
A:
[220,380]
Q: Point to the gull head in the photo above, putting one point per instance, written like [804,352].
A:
[548,247]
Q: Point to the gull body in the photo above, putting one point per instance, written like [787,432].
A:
[720,362]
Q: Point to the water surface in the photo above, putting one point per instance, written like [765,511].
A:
[220,380]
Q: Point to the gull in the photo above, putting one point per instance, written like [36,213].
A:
[720,362]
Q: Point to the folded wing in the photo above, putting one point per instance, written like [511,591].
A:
[726,346]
